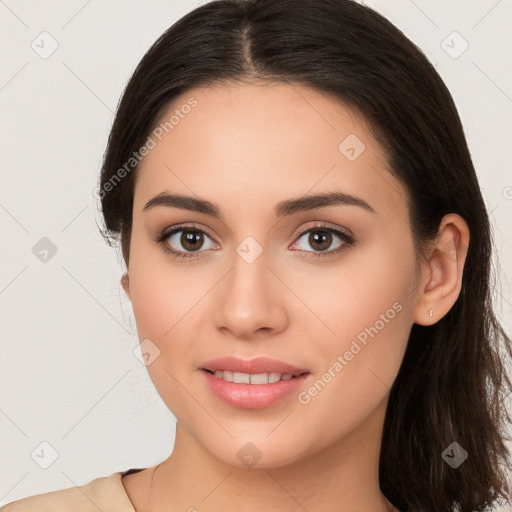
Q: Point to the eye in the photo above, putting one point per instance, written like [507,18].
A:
[321,237]
[186,241]
[183,241]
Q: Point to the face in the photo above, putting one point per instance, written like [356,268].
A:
[328,289]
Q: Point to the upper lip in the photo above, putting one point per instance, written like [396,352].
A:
[257,365]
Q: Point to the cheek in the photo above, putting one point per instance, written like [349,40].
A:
[368,282]
[161,292]
[153,303]
[163,310]
[367,306]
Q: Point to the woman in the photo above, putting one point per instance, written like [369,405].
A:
[308,261]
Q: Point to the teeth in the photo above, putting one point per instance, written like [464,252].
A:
[241,378]
[274,377]
[252,378]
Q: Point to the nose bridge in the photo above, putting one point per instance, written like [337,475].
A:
[249,298]
[248,279]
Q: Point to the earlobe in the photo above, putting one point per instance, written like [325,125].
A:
[125,283]
[442,272]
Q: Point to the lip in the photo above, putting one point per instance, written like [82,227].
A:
[252,396]
[257,365]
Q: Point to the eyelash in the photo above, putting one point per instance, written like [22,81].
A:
[161,238]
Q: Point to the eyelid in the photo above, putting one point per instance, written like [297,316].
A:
[170,230]
[322,224]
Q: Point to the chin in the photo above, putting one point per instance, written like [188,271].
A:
[257,452]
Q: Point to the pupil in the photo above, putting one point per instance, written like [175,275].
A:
[191,240]
[318,237]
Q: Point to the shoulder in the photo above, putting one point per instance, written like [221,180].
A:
[104,493]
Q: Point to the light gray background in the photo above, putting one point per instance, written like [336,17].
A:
[68,372]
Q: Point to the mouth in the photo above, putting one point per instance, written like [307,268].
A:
[259,392]
[253,378]
[256,366]
[255,383]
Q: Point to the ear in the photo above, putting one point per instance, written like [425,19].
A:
[125,283]
[441,273]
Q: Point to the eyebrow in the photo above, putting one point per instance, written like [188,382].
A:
[282,209]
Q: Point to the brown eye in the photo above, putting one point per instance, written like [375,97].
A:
[321,239]
[185,241]
[191,240]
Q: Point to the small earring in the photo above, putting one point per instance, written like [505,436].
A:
[430,312]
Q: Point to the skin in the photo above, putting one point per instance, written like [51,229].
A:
[246,148]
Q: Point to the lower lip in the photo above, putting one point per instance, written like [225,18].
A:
[252,396]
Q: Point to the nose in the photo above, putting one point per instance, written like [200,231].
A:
[250,302]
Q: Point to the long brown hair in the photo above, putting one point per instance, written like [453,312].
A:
[452,383]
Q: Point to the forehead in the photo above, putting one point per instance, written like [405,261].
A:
[260,143]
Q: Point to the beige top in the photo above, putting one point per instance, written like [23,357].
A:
[106,493]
